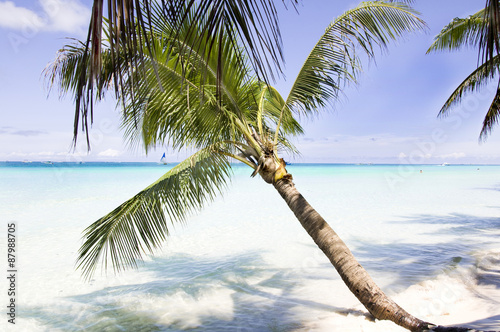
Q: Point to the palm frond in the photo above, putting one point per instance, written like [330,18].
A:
[188,109]
[272,114]
[140,225]
[130,21]
[400,1]
[473,83]
[334,61]
[492,116]
[285,145]
[69,64]
[479,30]
[458,33]
[489,42]
[180,115]
[68,68]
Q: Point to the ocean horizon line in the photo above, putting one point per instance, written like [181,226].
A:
[152,163]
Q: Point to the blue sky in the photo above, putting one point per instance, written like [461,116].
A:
[390,117]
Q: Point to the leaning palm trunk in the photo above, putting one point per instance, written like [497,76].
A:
[352,273]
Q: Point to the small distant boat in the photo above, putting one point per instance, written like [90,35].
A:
[444,164]
[163,159]
[48,162]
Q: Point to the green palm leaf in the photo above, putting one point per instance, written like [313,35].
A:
[140,225]
[473,83]
[489,42]
[187,113]
[183,113]
[492,116]
[70,65]
[334,62]
[478,30]
[272,112]
[458,33]
[192,105]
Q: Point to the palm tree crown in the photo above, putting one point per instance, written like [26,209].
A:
[208,98]
[253,22]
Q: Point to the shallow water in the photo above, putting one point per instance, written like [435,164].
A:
[429,239]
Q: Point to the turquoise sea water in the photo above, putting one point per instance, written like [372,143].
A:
[427,234]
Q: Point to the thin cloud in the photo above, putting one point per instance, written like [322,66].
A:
[14,17]
[28,133]
[454,155]
[44,154]
[109,153]
[21,132]
[53,15]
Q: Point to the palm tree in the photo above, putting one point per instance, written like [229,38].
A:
[208,99]
[481,30]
